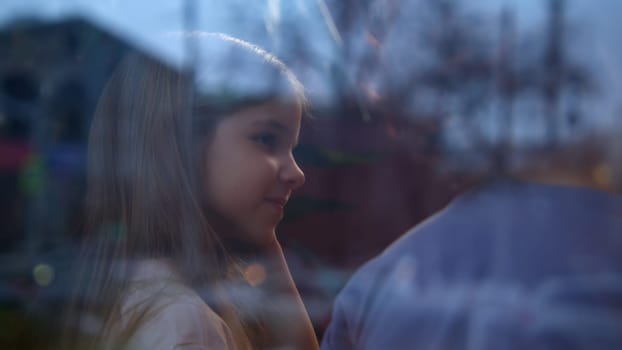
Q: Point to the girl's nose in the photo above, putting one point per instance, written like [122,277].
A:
[292,174]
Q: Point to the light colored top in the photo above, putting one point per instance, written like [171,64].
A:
[180,318]
[508,265]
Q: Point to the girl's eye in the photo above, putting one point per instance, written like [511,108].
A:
[267,139]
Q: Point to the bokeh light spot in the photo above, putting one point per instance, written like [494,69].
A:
[255,274]
[601,175]
[43,274]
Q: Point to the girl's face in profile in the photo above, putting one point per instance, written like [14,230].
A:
[250,170]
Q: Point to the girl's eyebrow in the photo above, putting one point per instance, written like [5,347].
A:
[273,124]
[278,126]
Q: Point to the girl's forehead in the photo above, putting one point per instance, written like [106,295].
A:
[282,118]
[277,110]
[244,89]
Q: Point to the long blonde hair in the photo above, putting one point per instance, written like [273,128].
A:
[148,136]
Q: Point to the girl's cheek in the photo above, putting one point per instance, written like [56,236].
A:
[275,165]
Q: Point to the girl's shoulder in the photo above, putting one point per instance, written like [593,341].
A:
[172,315]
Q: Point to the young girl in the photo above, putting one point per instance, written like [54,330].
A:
[188,175]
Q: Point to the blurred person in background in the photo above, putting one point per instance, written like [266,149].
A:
[525,261]
[188,175]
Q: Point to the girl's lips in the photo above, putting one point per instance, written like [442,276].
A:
[278,201]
